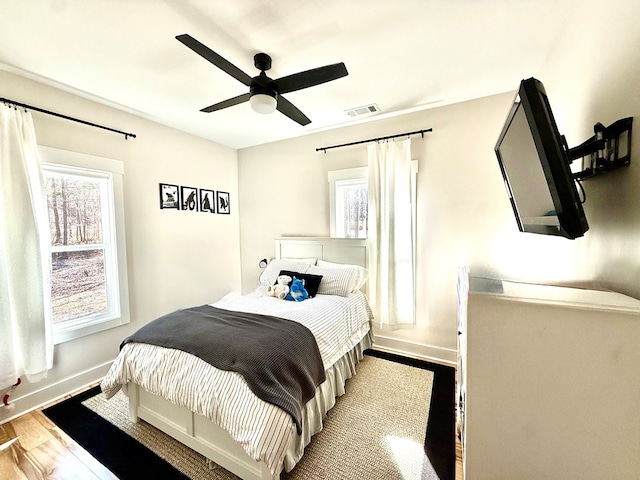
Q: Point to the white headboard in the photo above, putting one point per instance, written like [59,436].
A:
[339,250]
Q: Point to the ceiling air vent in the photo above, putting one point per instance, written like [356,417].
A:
[356,112]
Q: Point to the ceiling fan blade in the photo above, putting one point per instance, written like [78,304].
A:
[208,54]
[309,78]
[291,111]
[227,103]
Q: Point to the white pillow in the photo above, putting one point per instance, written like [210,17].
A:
[271,272]
[310,260]
[361,278]
[335,281]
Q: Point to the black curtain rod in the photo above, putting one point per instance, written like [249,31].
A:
[66,117]
[421,132]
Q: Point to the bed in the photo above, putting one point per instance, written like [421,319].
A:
[215,412]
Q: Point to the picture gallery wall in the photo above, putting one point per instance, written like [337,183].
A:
[181,197]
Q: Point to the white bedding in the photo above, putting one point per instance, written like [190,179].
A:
[264,431]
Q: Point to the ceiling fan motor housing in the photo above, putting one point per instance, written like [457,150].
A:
[262,61]
[262,85]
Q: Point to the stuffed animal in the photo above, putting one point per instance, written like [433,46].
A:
[281,288]
[297,292]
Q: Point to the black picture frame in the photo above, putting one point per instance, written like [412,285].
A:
[222,203]
[169,196]
[207,201]
[188,198]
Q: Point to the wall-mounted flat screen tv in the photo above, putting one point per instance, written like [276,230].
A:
[535,167]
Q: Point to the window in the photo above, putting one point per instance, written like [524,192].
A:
[89,291]
[348,197]
[348,191]
[351,208]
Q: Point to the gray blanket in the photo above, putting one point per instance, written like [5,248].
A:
[278,358]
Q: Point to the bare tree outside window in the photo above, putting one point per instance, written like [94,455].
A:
[351,202]
[79,285]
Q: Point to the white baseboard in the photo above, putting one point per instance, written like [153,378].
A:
[421,351]
[19,405]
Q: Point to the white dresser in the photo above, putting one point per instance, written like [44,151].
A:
[550,382]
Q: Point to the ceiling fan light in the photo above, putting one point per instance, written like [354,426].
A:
[262,103]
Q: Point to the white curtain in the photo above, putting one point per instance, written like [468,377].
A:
[391,264]
[26,347]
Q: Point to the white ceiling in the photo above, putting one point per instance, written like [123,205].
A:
[403,55]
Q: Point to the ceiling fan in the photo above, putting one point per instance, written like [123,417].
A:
[265,94]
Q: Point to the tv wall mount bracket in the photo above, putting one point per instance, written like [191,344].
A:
[607,150]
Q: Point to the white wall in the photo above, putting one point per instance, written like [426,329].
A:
[175,259]
[464,215]
[592,76]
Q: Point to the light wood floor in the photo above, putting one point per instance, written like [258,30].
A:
[459,471]
[43,451]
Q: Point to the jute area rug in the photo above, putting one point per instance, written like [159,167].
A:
[375,431]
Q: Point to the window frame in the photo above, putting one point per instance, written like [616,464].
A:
[63,161]
[356,173]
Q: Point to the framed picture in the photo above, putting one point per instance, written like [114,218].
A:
[189,198]
[222,202]
[169,197]
[207,201]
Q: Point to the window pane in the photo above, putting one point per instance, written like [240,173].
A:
[75,214]
[351,208]
[78,286]
[86,214]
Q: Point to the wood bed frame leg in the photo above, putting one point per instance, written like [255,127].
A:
[267,475]
[132,392]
